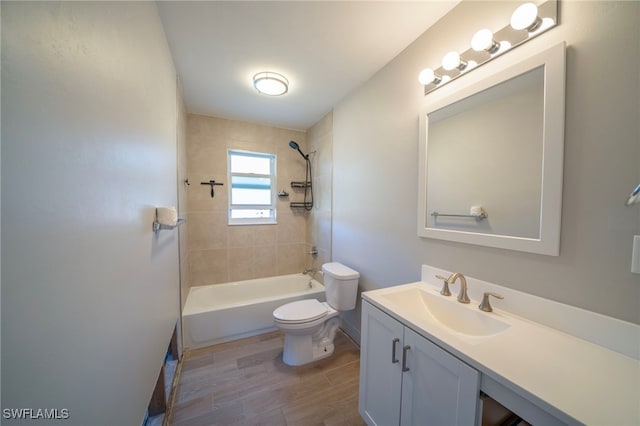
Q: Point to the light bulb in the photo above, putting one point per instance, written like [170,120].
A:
[452,61]
[546,23]
[483,40]
[541,25]
[427,76]
[504,46]
[525,17]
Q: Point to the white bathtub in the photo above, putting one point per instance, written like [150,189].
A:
[223,312]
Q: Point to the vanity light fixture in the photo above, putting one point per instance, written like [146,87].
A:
[270,83]
[527,21]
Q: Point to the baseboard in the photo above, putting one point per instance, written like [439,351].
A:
[351,332]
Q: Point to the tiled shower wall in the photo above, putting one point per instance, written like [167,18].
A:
[218,252]
[320,140]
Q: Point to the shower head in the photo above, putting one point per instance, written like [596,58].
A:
[294,145]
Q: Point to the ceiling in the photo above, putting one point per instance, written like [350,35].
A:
[326,49]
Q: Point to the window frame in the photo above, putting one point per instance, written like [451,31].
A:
[272,207]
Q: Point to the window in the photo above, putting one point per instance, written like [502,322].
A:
[252,198]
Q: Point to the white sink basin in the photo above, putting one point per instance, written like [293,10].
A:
[459,317]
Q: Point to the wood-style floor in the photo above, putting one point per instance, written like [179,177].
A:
[246,383]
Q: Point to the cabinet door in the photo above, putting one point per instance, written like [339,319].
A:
[380,376]
[438,389]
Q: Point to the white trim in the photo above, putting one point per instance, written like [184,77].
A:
[240,222]
[553,60]
[268,220]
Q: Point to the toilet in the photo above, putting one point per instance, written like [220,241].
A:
[310,325]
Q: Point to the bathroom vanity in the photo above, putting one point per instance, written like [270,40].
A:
[428,359]
[430,384]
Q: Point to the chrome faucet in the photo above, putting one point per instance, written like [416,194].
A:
[463,297]
[311,271]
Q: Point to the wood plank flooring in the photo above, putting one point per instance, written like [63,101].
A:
[246,383]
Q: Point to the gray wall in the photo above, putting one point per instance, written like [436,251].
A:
[89,293]
[375,165]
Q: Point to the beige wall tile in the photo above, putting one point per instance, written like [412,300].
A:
[320,139]
[208,267]
[202,127]
[265,235]
[291,258]
[321,231]
[291,228]
[265,261]
[207,230]
[242,131]
[241,236]
[240,263]
[207,157]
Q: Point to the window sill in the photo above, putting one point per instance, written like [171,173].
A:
[236,222]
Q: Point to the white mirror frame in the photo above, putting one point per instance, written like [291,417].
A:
[553,60]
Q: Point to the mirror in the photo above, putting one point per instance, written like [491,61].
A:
[491,157]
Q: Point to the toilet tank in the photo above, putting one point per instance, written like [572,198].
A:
[340,285]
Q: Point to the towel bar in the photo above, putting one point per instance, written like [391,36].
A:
[480,216]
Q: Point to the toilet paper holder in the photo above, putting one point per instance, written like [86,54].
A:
[158,226]
[165,217]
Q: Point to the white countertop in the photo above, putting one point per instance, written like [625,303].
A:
[571,378]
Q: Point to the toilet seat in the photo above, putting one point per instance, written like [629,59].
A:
[301,311]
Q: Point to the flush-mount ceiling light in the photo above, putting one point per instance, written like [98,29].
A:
[270,83]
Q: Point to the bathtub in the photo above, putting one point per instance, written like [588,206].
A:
[223,312]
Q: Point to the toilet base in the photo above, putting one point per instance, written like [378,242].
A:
[303,349]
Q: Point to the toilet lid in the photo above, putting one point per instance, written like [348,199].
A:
[300,311]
